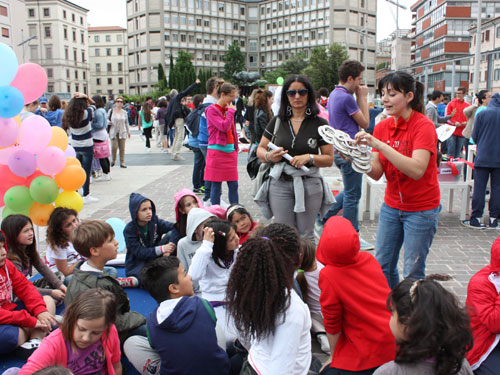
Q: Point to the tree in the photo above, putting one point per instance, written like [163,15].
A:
[162,80]
[234,62]
[171,74]
[323,69]
[295,65]
[181,74]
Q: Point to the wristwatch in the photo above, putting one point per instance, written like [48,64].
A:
[311,156]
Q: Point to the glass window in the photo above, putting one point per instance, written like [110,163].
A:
[46,12]
[97,52]
[108,38]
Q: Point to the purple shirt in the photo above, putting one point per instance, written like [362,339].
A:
[90,361]
[341,108]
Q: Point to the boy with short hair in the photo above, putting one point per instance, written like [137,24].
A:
[95,240]
[144,235]
[181,329]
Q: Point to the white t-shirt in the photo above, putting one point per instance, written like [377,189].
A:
[288,351]
[156,121]
[313,292]
[68,253]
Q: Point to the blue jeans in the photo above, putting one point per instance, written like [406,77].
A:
[203,150]
[198,168]
[85,156]
[352,190]
[216,191]
[481,176]
[170,136]
[334,210]
[416,230]
[455,146]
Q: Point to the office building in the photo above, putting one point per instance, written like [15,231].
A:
[14,27]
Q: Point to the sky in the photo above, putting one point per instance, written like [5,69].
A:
[113,13]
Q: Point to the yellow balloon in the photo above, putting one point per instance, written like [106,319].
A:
[18,120]
[40,213]
[70,199]
[59,138]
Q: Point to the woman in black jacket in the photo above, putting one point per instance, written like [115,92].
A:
[263,113]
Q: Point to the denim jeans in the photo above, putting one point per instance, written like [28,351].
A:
[352,190]
[416,230]
[216,192]
[85,157]
[481,176]
[455,146]
[198,168]
[203,150]
[334,210]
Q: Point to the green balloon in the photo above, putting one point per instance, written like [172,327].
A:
[44,190]
[280,81]
[18,198]
[7,211]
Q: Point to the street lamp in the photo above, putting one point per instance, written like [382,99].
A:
[398,5]
[25,41]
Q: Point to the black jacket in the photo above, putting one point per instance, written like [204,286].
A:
[174,110]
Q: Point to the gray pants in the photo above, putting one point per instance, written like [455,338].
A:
[282,201]
[178,138]
[142,356]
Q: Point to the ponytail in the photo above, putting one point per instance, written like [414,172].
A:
[417,103]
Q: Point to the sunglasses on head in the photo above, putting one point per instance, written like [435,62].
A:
[292,93]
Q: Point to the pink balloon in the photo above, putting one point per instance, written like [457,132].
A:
[8,131]
[22,163]
[31,80]
[51,161]
[70,151]
[5,154]
[35,134]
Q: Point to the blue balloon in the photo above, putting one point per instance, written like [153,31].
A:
[11,101]
[8,64]
[118,226]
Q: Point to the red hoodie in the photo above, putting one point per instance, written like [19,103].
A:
[353,299]
[483,302]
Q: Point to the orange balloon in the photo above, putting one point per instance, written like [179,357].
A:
[59,138]
[71,178]
[40,213]
[70,160]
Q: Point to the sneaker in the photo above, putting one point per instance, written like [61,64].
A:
[493,223]
[123,166]
[104,177]
[473,223]
[148,149]
[128,282]
[91,179]
[318,229]
[178,158]
[27,349]
[202,189]
[323,342]
[198,191]
[90,199]
[365,246]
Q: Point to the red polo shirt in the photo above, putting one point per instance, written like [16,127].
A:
[459,115]
[403,192]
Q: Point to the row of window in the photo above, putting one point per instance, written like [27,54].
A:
[109,67]
[49,53]
[50,88]
[119,52]
[46,13]
[216,7]
[50,74]
[108,38]
[47,33]
[109,81]
[278,6]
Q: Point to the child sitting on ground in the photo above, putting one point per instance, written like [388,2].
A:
[146,235]
[95,240]
[21,242]
[87,342]
[432,330]
[61,255]
[23,324]
[308,279]
[181,329]
[239,216]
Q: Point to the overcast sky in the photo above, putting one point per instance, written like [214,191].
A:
[113,13]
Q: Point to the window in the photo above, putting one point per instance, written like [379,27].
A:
[48,52]
[498,32]
[46,12]
[84,75]
[50,88]
[96,38]
[183,38]
[82,38]
[206,23]
[242,11]
[5,32]
[108,67]
[119,51]
[3,11]
[120,67]
[66,53]
[108,38]
[76,74]
[75,52]
[119,37]
[97,52]
[487,35]
[65,33]
[120,80]
[108,51]
[83,56]
[81,20]
[46,30]
[72,19]
[110,81]
[31,12]
[198,22]
[67,73]
[98,81]
[97,67]
[235,26]
[74,35]
[64,14]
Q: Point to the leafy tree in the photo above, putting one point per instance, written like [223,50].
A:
[323,69]
[234,62]
[162,79]
[171,74]
[295,65]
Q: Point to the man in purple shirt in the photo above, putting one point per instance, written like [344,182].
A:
[349,115]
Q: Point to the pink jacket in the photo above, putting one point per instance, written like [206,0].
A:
[215,209]
[52,352]
[218,126]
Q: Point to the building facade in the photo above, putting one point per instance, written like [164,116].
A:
[14,27]
[441,41]
[108,60]
[268,31]
[400,49]
[60,44]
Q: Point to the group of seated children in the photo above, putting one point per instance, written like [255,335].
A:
[239,298]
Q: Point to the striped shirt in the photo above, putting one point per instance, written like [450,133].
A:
[81,137]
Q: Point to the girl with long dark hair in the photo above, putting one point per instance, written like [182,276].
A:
[146,123]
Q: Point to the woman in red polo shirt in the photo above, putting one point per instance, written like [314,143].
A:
[404,149]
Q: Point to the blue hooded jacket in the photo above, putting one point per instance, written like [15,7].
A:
[486,135]
[186,339]
[54,117]
[139,249]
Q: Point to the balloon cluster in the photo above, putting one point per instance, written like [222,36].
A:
[38,169]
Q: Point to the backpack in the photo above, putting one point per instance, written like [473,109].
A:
[131,112]
[193,119]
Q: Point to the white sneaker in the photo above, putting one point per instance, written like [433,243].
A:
[323,342]
[91,180]
[104,177]
[90,199]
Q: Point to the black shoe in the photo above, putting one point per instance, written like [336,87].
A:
[123,166]
[473,223]
[113,164]
[493,223]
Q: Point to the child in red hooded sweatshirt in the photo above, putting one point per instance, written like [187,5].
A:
[353,300]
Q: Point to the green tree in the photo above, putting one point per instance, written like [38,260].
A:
[171,74]
[234,62]
[323,68]
[295,65]
[162,79]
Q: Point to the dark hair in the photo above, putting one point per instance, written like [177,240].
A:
[2,238]
[181,223]
[53,370]
[157,275]
[350,68]
[198,99]
[311,100]
[98,101]
[54,103]
[462,89]
[73,114]
[436,94]
[261,102]
[481,96]
[221,229]
[162,103]
[405,83]
[146,111]
[436,325]
[323,91]
[258,291]
[55,234]
[11,227]
[240,210]
[88,305]
[308,252]
[89,234]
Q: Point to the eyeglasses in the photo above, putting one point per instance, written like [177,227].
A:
[301,92]
[119,101]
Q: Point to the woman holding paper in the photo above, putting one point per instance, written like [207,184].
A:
[293,195]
